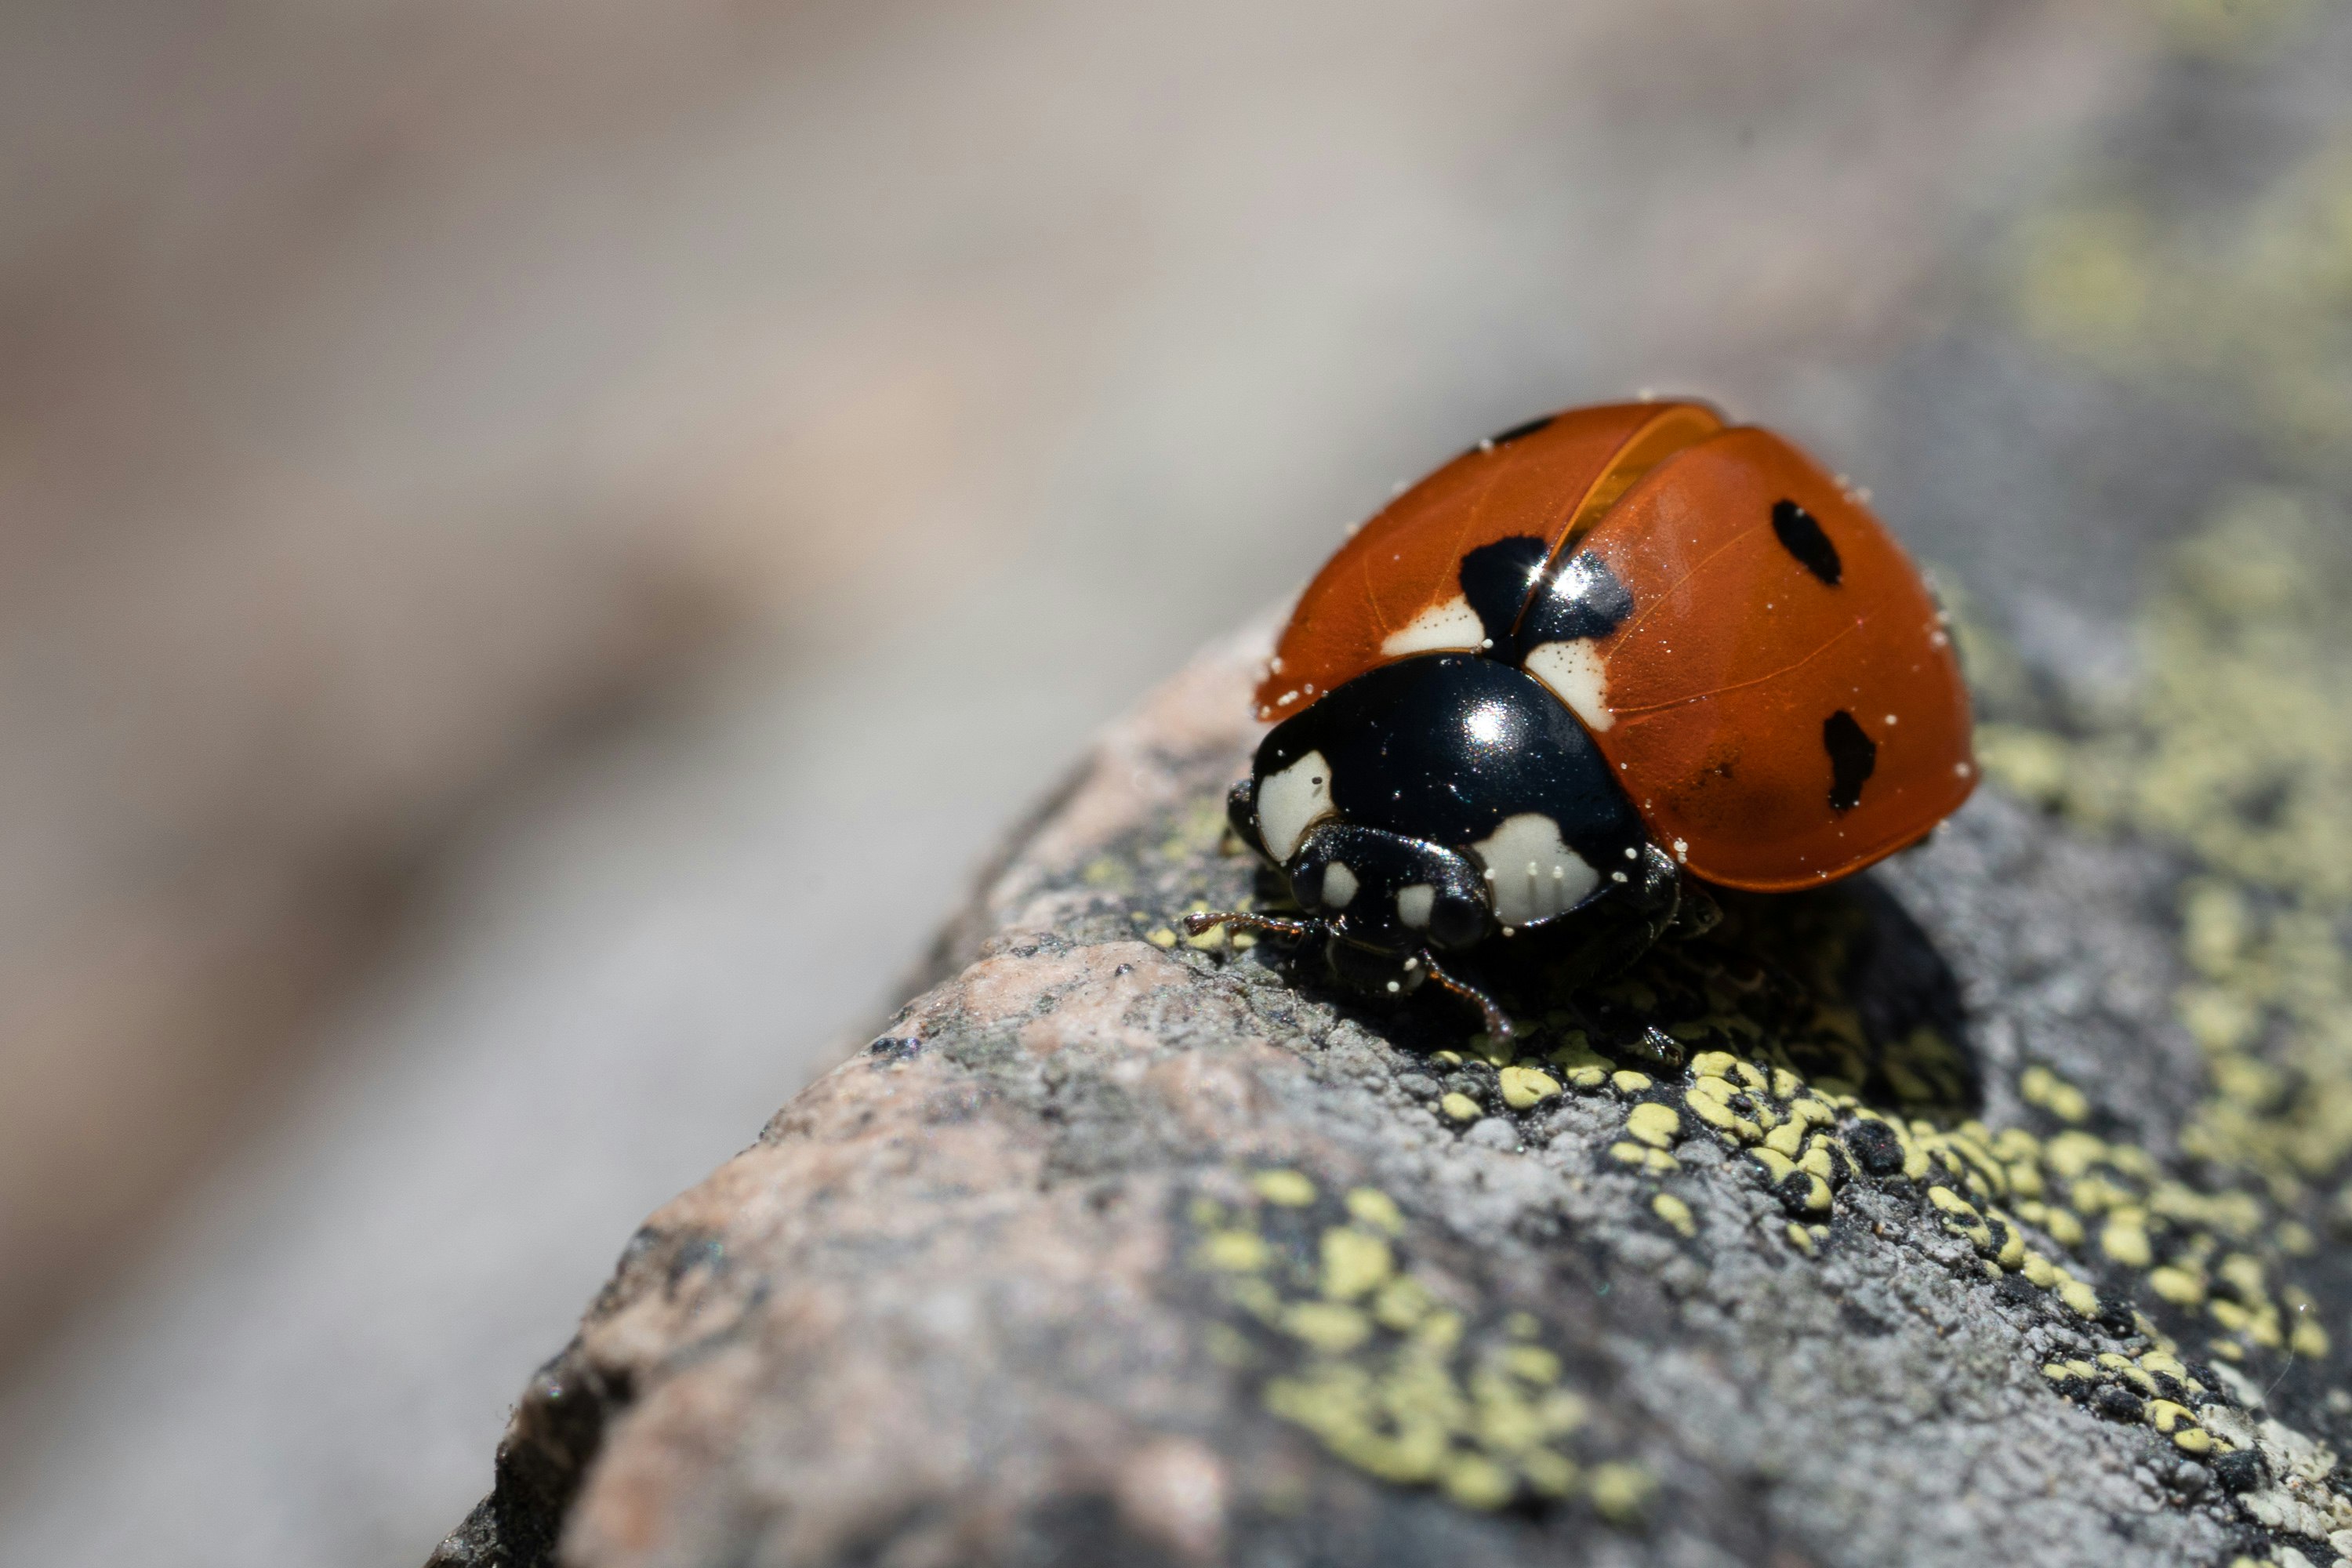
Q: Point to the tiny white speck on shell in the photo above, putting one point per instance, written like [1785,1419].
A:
[1682,852]
[1486,445]
[1962,769]
[1274,664]
[1616,875]
[1394,986]
[1891,718]
[1631,853]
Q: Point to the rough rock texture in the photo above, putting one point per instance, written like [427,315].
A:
[1903,1223]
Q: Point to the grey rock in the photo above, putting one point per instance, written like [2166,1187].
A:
[1115,1248]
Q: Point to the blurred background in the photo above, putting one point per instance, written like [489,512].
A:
[540,544]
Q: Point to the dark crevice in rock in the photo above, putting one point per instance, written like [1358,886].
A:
[554,1437]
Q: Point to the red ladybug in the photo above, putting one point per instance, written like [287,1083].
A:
[1590,660]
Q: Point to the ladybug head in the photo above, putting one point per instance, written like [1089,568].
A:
[1387,893]
[1384,902]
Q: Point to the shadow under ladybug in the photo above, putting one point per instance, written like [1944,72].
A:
[1839,984]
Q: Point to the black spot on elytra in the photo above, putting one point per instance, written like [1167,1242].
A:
[1579,597]
[1853,755]
[1497,579]
[1802,537]
[1519,432]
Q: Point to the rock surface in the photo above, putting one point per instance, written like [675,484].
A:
[1930,1220]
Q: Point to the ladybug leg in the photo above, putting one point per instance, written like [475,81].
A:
[1499,1026]
[1696,911]
[1194,924]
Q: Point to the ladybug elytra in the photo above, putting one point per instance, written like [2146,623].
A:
[1576,676]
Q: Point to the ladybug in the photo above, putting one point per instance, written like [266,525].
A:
[1591,667]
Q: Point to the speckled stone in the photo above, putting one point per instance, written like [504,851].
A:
[1047,1274]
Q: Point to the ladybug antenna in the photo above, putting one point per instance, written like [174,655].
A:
[1498,1028]
[1208,920]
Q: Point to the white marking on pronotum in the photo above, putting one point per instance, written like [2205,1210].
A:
[1544,876]
[1291,801]
[1452,626]
[1338,885]
[1414,904]
[1577,676]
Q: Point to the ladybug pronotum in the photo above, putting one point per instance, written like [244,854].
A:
[1585,669]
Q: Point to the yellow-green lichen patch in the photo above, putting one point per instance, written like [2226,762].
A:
[1234,1251]
[1387,1374]
[1654,1125]
[1354,1264]
[1525,1087]
[2039,1086]
[2154,1388]
[1622,1492]
[2235,751]
[2065,1210]
[1373,1207]
[1287,1188]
